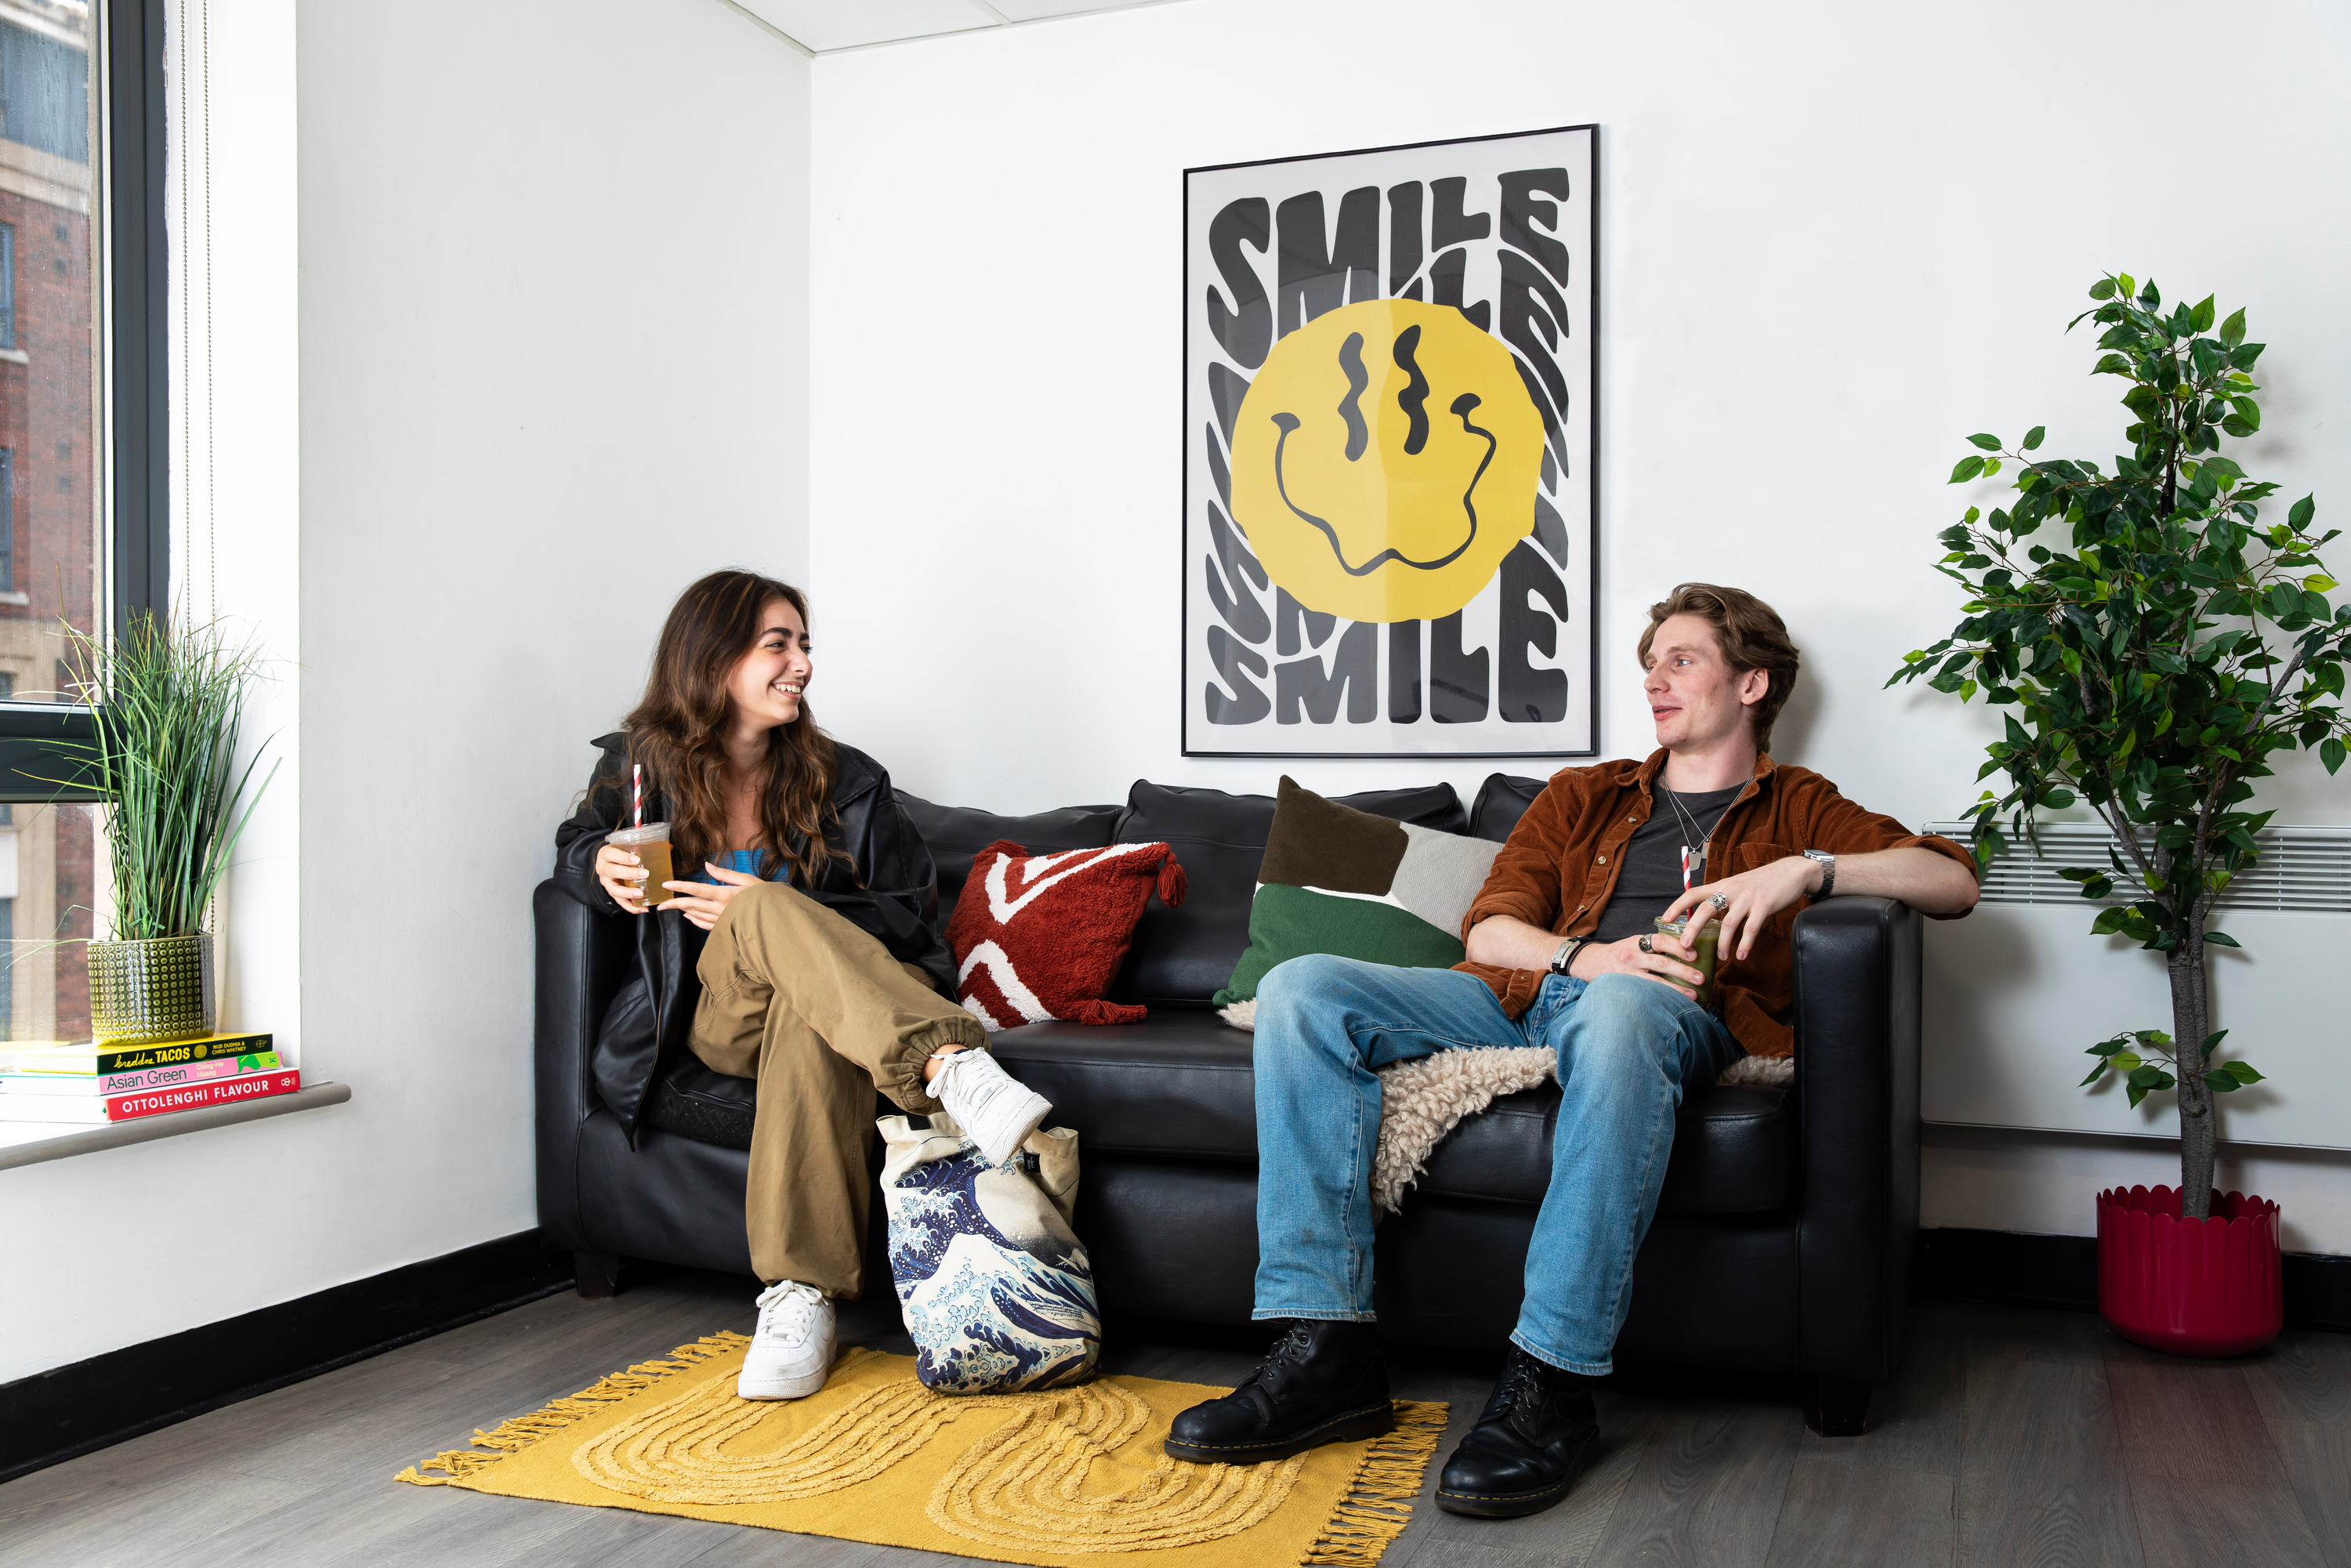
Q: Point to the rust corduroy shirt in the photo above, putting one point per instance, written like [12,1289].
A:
[1560,868]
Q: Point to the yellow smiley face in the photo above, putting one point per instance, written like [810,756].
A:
[1386,460]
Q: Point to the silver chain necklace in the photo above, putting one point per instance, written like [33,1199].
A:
[1692,868]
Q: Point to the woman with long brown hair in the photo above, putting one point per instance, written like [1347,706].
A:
[801,956]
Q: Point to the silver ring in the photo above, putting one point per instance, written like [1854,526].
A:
[1645,946]
[1720,901]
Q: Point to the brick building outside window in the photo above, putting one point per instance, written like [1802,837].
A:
[48,489]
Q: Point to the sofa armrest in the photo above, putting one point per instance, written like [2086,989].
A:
[1856,961]
[582,959]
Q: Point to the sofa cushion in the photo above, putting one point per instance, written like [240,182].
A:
[1042,937]
[1181,1084]
[1733,1150]
[1502,799]
[1182,957]
[713,1108]
[956,833]
[1336,879]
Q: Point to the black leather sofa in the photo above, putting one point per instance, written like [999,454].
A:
[1783,1241]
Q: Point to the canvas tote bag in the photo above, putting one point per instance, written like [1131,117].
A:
[994,1284]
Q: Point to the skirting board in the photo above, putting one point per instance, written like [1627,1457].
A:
[2025,1270]
[71,1410]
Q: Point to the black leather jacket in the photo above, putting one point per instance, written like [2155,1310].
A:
[889,889]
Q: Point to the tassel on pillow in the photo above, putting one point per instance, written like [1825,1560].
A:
[1172,883]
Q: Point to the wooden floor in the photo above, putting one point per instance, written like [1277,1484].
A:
[2015,1438]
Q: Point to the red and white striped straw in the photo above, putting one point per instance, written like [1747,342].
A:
[637,783]
[1685,868]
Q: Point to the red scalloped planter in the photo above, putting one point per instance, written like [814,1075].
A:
[2191,1287]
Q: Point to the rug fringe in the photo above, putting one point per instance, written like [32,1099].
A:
[1378,1503]
[522,1432]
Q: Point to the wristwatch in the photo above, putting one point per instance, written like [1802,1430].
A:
[1564,956]
[1828,870]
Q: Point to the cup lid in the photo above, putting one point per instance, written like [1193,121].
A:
[650,834]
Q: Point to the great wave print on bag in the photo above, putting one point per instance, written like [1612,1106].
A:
[994,1284]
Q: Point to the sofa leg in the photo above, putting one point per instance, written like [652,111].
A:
[1838,1406]
[597,1274]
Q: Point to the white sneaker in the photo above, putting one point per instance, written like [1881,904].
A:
[995,1110]
[792,1349]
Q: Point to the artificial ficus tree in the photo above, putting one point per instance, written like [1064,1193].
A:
[2155,650]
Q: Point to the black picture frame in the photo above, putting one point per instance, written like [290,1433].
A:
[1592,334]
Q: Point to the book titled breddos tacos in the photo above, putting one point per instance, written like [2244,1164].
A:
[126,1056]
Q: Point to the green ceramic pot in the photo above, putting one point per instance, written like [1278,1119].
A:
[152,992]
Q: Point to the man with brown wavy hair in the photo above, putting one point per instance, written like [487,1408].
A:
[1749,635]
[1562,953]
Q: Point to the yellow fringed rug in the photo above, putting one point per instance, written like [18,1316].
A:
[1048,1478]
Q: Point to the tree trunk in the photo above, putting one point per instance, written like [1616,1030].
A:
[2191,1016]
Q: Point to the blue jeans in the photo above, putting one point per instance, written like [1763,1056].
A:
[1627,1046]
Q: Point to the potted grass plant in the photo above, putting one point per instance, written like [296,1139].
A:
[168,705]
[2166,638]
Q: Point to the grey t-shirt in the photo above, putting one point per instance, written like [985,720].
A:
[1651,877]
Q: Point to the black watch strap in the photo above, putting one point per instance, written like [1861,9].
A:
[1563,957]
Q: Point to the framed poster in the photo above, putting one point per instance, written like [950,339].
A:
[1390,433]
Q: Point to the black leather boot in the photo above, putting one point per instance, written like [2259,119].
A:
[1321,1383]
[1534,1438]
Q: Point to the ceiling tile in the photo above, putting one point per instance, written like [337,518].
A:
[845,23]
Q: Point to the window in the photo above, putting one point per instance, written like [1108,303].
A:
[83,416]
[52,552]
[45,76]
[84,453]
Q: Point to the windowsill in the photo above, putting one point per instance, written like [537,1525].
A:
[16,356]
[15,598]
[30,1142]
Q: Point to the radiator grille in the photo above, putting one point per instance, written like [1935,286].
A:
[2303,870]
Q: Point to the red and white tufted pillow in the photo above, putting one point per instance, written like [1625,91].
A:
[1041,937]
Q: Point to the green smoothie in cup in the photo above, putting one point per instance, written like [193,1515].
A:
[1709,936]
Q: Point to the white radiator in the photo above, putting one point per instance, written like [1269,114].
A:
[2016,992]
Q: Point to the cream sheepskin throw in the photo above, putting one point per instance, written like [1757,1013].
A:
[1422,1101]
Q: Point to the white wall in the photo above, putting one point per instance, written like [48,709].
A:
[1837,239]
[1826,261]
[1989,1178]
[552,315]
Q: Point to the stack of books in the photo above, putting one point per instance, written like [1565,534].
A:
[94,1082]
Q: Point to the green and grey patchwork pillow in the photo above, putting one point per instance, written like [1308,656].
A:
[1336,879]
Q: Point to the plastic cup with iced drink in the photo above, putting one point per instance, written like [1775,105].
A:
[650,844]
[1709,936]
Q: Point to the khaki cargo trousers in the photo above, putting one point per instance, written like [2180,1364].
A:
[818,1013]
